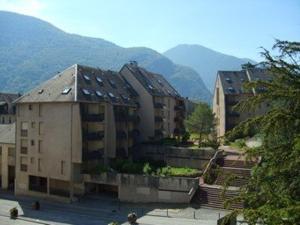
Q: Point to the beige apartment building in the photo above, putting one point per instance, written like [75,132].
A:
[7,107]
[229,91]
[7,156]
[161,108]
[80,118]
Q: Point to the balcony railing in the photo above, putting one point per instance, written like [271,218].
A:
[135,133]
[121,134]
[92,155]
[134,118]
[93,117]
[158,119]
[159,105]
[158,133]
[179,107]
[93,136]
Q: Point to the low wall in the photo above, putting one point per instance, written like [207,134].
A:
[175,156]
[140,188]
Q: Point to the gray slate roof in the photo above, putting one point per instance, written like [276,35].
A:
[232,81]
[83,84]
[154,83]
[7,133]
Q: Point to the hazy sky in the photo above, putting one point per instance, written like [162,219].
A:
[237,27]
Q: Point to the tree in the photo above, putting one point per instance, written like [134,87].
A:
[201,121]
[272,195]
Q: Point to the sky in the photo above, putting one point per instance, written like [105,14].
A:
[235,27]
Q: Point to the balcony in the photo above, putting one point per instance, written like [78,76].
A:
[92,155]
[158,105]
[93,136]
[134,119]
[135,133]
[158,119]
[179,107]
[179,131]
[121,134]
[158,133]
[93,117]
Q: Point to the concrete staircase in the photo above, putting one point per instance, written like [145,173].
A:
[230,165]
[211,196]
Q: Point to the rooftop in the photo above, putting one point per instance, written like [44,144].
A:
[83,84]
[154,83]
[232,81]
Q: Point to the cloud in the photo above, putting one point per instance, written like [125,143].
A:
[27,7]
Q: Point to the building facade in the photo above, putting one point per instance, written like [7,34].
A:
[7,156]
[67,126]
[229,91]
[161,107]
[7,107]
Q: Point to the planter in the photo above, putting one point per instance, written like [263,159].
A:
[132,218]
[13,213]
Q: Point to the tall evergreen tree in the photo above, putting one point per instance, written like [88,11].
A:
[272,195]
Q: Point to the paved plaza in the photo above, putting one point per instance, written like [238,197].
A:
[102,210]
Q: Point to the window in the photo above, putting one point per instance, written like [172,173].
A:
[11,151]
[41,128]
[112,83]
[99,80]
[24,146]
[23,163]
[111,95]
[40,150]
[32,142]
[32,124]
[39,165]
[32,160]
[0,150]
[24,129]
[62,167]
[86,77]
[99,94]
[85,91]
[9,120]
[66,90]
[30,107]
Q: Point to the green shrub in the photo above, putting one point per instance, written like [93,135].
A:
[147,169]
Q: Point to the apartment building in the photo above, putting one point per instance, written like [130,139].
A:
[229,91]
[161,108]
[7,107]
[65,127]
[7,156]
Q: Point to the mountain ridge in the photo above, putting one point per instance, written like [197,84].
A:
[32,51]
[205,61]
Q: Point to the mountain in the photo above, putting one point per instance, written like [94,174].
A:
[32,51]
[205,61]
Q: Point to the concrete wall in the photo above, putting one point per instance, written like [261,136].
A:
[139,188]
[175,156]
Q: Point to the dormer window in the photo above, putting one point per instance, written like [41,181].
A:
[228,80]
[66,91]
[231,89]
[112,83]
[41,91]
[150,87]
[85,91]
[99,94]
[111,95]
[99,80]
[160,82]
[86,77]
